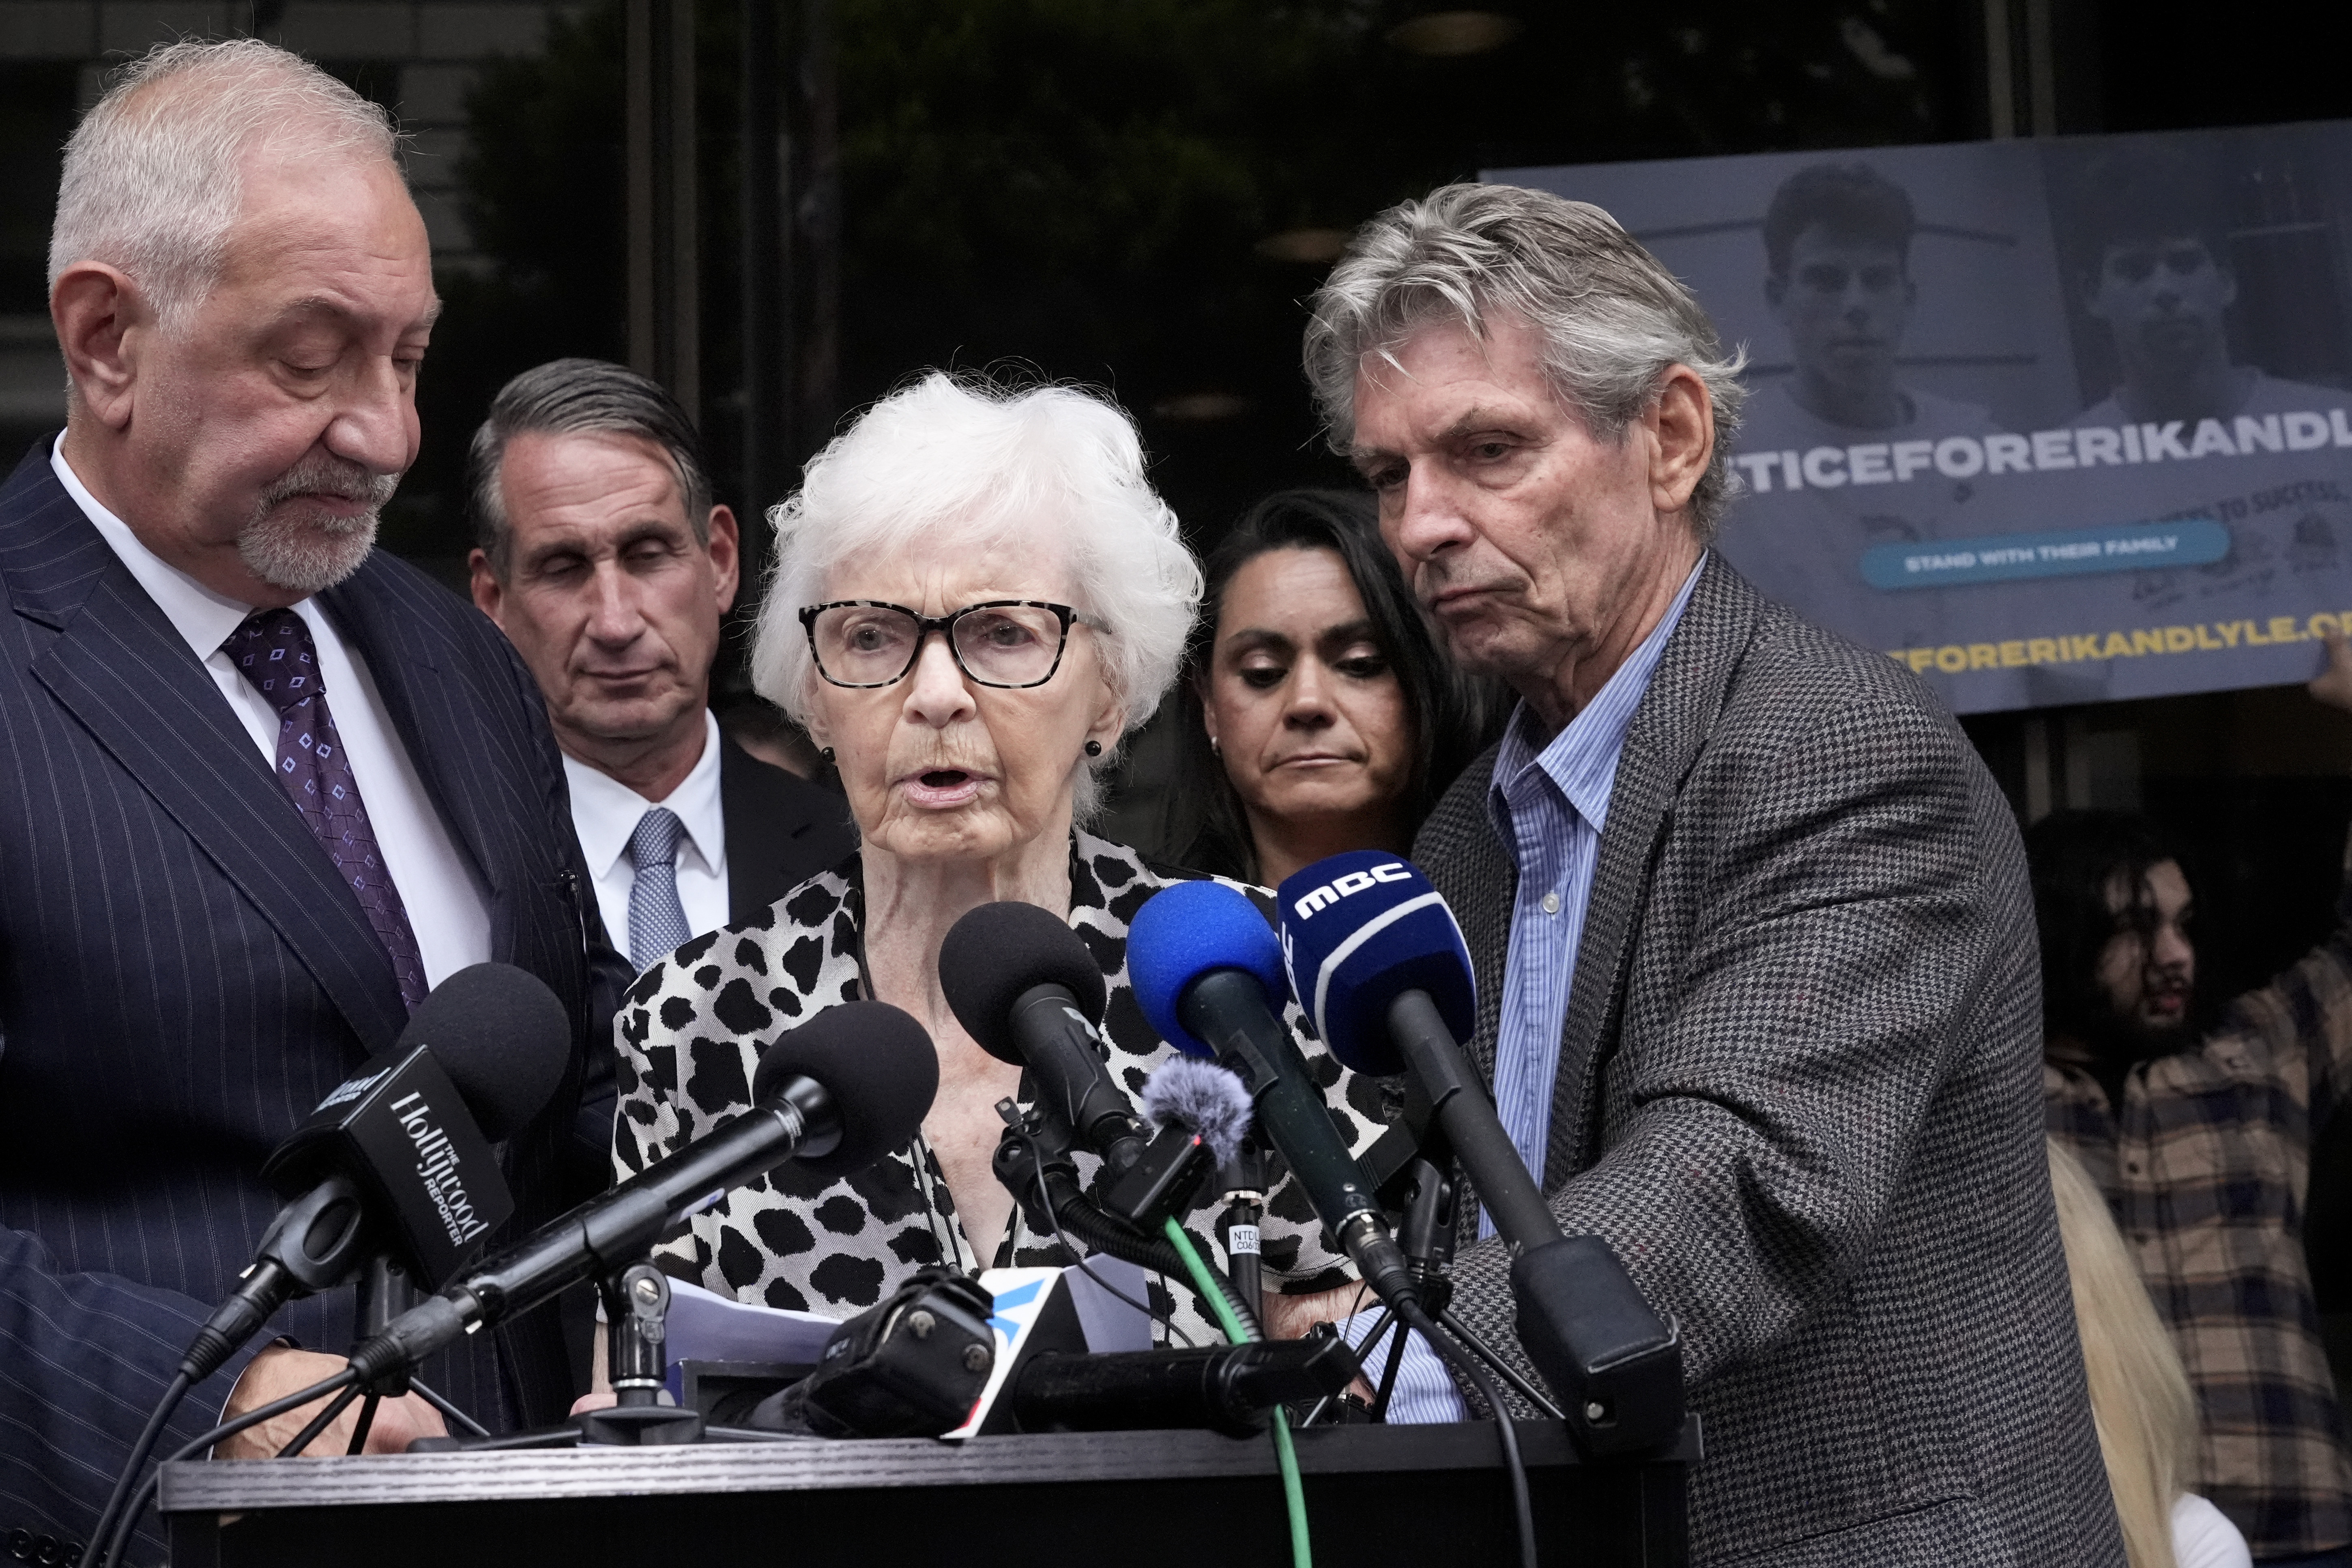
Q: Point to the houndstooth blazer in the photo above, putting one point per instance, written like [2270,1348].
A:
[1800,1093]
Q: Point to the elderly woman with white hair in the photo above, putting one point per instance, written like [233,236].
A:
[976,595]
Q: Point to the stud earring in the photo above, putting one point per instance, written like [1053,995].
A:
[1094,748]
[826,752]
[1215,750]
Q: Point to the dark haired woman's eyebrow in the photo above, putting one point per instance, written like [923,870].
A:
[1249,639]
[1359,630]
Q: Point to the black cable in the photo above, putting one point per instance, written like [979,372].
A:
[1503,1369]
[1102,1233]
[1363,1348]
[1053,1218]
[1388,1379]
[1464,1362]
[254,1417]
[148,1437]
[441,1401]
[319,1422]
[366,1422]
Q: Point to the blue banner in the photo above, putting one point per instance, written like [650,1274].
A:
[2053,421]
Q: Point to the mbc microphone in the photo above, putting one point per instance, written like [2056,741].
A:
[1028,992]
[1376,961]
[397,1161]
[1207,971]
[836,1094]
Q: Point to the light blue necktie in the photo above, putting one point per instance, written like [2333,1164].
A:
[657,919]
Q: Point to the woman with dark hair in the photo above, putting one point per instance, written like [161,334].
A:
[1319,715]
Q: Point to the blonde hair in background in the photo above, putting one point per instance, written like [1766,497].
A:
[153,179]
[2140,1399]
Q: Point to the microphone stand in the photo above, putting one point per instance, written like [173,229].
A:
[636,1364]
[636,1360]
[1411,1163]
[1244,1195]
[385,1293]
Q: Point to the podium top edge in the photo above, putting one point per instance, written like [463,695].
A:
[1041,1459]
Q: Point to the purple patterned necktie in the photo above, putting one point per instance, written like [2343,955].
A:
[273,651]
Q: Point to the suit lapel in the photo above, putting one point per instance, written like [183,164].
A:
[123,672]
[406,667]
[1685,693]
[777,834]
[1483,883]
[757,844]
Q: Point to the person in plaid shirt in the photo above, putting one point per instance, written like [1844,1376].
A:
[2200,1137]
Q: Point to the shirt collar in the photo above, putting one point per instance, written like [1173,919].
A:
[202,618]
[605,811]
[1580,762]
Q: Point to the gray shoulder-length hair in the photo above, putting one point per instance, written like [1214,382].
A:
[1612,321]
[959,462]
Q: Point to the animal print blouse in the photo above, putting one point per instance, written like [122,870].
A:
[689,1035]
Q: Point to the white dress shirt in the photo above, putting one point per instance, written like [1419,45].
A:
[605,811]
[446,909]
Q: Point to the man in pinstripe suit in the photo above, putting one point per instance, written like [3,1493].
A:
[262,786]
[1756,964]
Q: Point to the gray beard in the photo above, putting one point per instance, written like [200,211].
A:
[310,555]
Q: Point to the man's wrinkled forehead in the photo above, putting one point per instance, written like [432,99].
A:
[1514,382]
[343,230]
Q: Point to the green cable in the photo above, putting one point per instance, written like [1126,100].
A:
[1293,1495]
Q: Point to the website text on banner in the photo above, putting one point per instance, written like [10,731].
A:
[2028,412]
[2071,647]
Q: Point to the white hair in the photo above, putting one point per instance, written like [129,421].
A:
[1613,321]
[152,180]
[958,462]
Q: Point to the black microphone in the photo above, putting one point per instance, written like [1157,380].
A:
[836,1094]
[397,1160]
[1376,959]
[1224,1388]
[1028,992]
[1205,968]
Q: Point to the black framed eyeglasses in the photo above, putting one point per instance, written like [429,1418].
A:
[1004,643]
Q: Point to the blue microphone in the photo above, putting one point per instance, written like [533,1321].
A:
[1207,971]
[1376,958]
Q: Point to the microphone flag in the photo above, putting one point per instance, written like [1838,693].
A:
[1357,930]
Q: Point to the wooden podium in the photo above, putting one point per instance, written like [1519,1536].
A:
[1431,1497]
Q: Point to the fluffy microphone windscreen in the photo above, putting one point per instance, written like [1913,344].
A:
[1202,1098]
[1358,930]
[998,950]
[502,1037]
[1188,931]
[878,1066]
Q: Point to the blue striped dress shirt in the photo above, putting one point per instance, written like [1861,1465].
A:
[1550,802]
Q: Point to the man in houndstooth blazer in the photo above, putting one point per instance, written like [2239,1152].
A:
[1756,961]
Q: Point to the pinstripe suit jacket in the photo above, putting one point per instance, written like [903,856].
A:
[182,976]
[1800,1094]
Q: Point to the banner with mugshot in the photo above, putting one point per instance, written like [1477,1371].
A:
[2051,422]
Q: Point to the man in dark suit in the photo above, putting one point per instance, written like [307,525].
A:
[227,886]
[603,557]
[1756,961]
